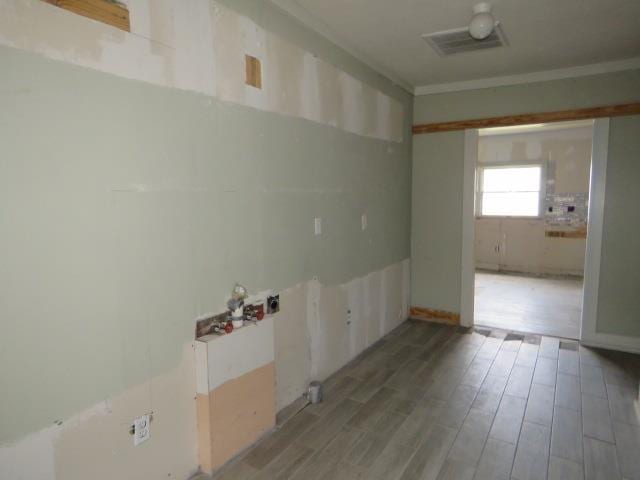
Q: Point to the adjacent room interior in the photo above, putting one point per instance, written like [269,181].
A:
[532,198]
[319,239]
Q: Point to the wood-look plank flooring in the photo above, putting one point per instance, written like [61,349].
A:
[438,402]
[548,306]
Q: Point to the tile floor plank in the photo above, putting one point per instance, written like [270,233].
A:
[490,394]
[527,355]
[568,362]
[600,460]
[566,436]
[628,449]
[519,381]
[561,469]
[508,420]
[325,430]
[238,471]
[568,392]
[430,456]
[624,404]
[413,429]
[592,381]
[276,443]
[476,372]
[471,438]
[532,454]
[549,347]
[444,385]
[368,388]
[490,348]
[453,470]
[391,463]
[496,461]
[596,420]
[503,363]
[454,413]
[286,464]
[539,408]
[545,371]
[326,458]
[369,413]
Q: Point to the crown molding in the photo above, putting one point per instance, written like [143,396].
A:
[302,15]
[543,76]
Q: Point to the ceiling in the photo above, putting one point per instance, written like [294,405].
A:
[542,34]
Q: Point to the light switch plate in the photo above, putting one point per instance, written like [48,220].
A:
[141,429]
[363,221]
[318,226]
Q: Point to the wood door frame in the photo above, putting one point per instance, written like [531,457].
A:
[468,270]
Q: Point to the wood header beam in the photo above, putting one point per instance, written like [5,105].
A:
[528,118]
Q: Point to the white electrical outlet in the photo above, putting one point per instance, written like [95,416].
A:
[318,226]
[141,429]
[363,221]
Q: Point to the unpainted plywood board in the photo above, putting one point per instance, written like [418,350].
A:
[110,12]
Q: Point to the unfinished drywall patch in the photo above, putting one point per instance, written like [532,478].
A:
[201,46]
[235,415]
[321,327]
[292,346]
[236,399]
[80,449]
[96,443]
[30,458]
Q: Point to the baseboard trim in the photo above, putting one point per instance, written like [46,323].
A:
[433,315]
[612,342]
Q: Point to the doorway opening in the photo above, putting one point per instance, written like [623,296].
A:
[531,194]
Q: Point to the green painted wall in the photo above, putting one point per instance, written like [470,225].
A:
[438,166]
[128,210]
[618,301]
[564,94]
[436,220]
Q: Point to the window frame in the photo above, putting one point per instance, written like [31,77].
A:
[541,193]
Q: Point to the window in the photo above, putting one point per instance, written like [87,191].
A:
[510,191]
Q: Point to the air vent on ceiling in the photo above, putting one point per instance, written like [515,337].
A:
[459,40]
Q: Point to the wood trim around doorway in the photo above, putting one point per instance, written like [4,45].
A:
[528,118]
[433,315]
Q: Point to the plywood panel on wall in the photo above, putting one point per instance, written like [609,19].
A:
[235,415]
[106,11]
